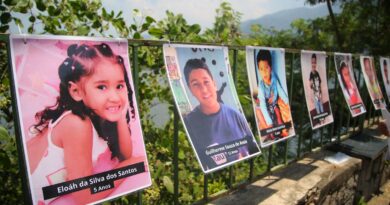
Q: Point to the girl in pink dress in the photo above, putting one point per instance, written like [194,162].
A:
[86,131]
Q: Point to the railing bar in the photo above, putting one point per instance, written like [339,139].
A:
[139,197]
[321,137]
[285,151]
[270,148]
[340,127]
[235,56]
[299,141]
[230,181]
[335,106]
[205,188]
[290,100]
[135,71]
[327,75]
[311,139]
[251,165]
[175,156]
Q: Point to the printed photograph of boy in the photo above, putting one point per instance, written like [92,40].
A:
[216,127]
[368,70]
[384,63]
[266,73]
[315,84]
[79,119]
[345,74]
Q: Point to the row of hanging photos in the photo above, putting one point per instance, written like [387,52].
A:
[63,84]
[202,84]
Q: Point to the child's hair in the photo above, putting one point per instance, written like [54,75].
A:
[193,64]
[81,62]
[264,55]
[343,66]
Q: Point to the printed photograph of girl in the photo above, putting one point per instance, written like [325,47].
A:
[345,74]
[267,78]
[371,80]
[79,119]
[384,63]
[215,124]
[315,84]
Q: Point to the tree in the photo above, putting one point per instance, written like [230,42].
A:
[226,27]
[332,17]
[175,28]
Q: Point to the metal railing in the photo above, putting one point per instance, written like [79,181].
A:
[275,156]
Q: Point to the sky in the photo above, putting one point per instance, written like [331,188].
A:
[194,11]
[200,11]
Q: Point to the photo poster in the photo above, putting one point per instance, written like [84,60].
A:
[79,120]
[267,79]
[208,105]
[345,74]
[384,63]
[368,70]
[315,84]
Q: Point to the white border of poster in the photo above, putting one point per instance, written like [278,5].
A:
[320,114]
[276,124]
[351,94]
[384,64]
[202,85]
[37,62]
[372,83]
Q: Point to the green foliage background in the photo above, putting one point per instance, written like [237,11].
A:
[365,28]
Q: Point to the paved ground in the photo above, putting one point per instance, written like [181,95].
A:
[384,198]
[288,186]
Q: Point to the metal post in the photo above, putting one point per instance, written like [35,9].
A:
[321,138]
[135,71]
[311,139]
[139,196]
[361,117]
[291,77]
[348,122]
[235,56]
[336,84]
[327,75]
[136,83]
[299,141]
[369,114]
[251,163]
[205,188]
[285,151]
[270,148]
[176,156]
[230,181]
[290,100]
[339,126]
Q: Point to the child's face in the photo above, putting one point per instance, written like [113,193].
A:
[367,68]
[346,76]
[203,87]
[265,71]
[105,91]
[313,64]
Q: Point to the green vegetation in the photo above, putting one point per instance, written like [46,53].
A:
[363,25]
